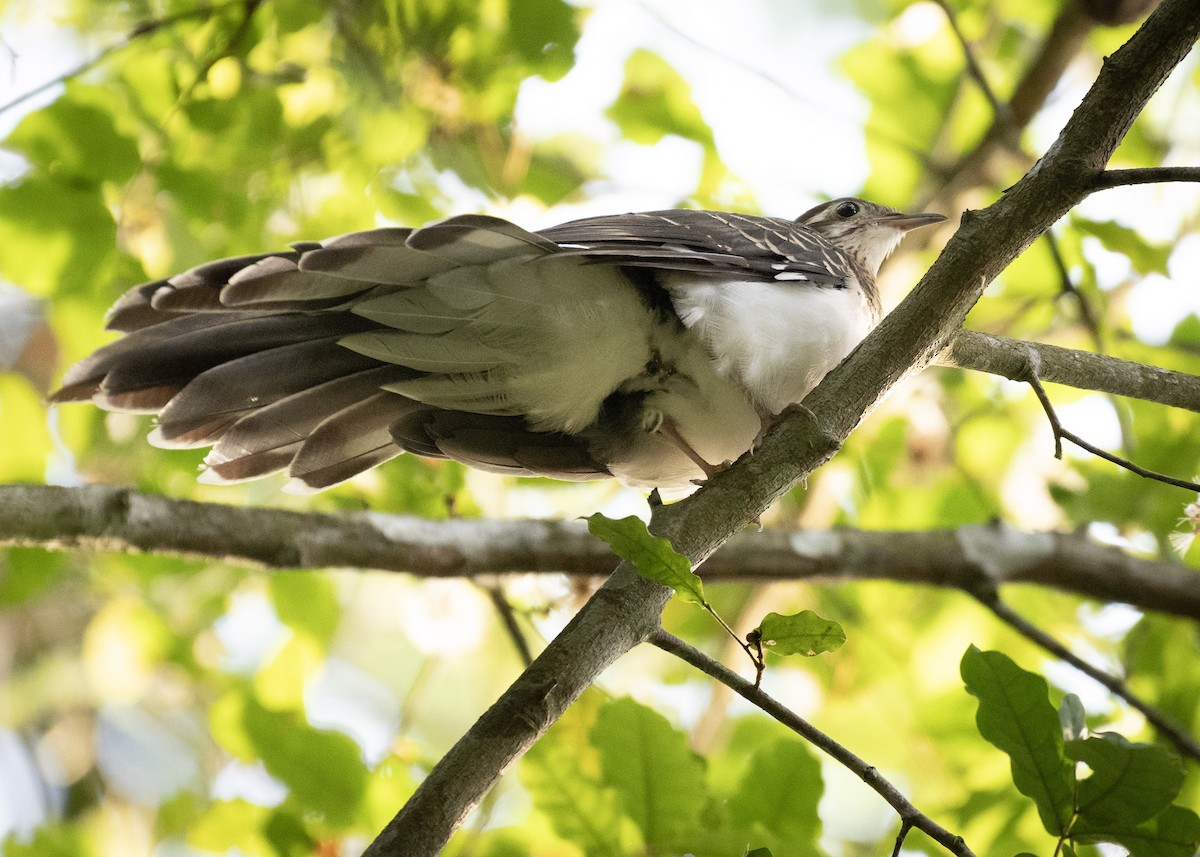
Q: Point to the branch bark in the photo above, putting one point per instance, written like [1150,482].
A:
[1010,358]
[908,340]
[116,519]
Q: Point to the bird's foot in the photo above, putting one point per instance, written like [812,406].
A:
[710,470]
[770,420]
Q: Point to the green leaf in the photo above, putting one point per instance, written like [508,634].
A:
[306,601]
[779,794]
[759,852]
[75,140]
[659,780]
[232,826]
[1174,833]
[1147,257]
[1072,718]
[545,33]
[323,770]
[656,101]
[804,633]
[654,558]
[70,226]
[582,810]
[1129,784]
[55,839]
[1016,716]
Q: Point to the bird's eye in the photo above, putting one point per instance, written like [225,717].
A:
[847,209]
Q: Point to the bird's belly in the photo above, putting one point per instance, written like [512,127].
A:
[778,340]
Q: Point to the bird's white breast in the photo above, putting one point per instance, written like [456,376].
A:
[775,339]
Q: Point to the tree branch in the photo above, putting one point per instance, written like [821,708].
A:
[116,519]
[910,816]
[1009,358]
[1145,175]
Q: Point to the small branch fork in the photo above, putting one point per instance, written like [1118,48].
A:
[910,817]
[1061,434]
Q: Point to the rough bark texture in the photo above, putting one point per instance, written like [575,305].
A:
[116,519]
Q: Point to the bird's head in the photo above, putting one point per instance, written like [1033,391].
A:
[867,232]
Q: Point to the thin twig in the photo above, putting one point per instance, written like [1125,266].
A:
[1127,464]
[1040,391]
[1000,110]
[910,816]
[1087,313]
[1185,743]
[905,826]
[1061,434]
[753,653]
[1091,323]
[508,618]
[1009,358]
[138,30]
[1145,175]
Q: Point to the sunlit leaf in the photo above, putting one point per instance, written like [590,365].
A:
[1129,783]
[1147,257]
[654,558]
[778,795]
[70,226]
[1016,716]
[233,824]
[582,810]
[306,601]
[323,770]
[75,140]
[656,101]
[545,33]
[804,633]
[659,780]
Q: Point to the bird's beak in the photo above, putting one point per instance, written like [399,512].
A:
[909,222]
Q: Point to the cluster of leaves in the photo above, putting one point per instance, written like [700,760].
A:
[617,778]
[1126,796]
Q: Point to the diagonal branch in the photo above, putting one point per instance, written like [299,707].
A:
[626,609]
[910,816]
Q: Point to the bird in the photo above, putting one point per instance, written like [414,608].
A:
[652,347]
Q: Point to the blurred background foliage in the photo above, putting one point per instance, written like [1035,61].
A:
[153,706]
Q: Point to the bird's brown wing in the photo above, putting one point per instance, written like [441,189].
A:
[710,243]
[249,355]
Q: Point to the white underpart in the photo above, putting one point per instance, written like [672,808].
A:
[778,340]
